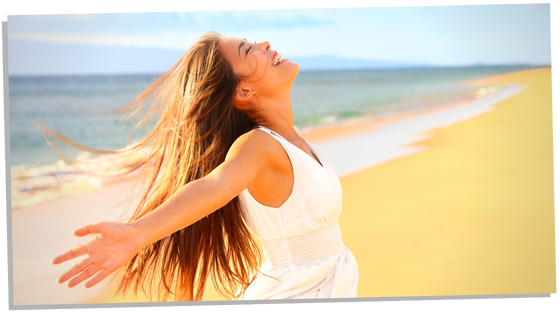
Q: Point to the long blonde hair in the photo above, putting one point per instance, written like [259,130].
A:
[197,125]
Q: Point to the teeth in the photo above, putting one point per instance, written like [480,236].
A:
[276,60]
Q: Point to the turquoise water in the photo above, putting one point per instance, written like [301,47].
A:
[74,105]
[83,109]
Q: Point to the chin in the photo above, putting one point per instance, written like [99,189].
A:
[295,67]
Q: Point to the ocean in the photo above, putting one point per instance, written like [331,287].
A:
[79,107]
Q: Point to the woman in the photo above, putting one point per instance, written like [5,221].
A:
[225,159]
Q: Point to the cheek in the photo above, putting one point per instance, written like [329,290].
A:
[261,66]
[248,70]
[257,69]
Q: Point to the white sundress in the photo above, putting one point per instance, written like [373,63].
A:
[302,242]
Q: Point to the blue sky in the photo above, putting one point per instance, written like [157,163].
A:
[151,42]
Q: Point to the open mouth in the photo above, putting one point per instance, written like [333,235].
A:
[276,60]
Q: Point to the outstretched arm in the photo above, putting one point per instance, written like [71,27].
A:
[116,243]
[250,155]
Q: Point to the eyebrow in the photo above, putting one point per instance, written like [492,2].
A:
[239,48]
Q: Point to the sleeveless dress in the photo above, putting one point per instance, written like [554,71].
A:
[302,242]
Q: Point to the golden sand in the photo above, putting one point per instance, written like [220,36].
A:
[471,215]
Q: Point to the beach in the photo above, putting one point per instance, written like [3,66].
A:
[461,202]
[473,214]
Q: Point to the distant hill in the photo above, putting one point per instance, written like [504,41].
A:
[336,63]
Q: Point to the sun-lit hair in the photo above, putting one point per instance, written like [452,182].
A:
[196,125]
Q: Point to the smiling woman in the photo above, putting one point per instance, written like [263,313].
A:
[225,160]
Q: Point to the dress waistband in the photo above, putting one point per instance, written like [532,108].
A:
[304,249]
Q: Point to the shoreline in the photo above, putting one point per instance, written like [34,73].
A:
[353,126]
[315,134]
[387,189]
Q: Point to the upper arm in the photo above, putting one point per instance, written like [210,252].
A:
[251,154]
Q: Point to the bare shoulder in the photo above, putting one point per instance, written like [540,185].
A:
[256,143]
[250,159]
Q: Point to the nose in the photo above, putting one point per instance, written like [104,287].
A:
[265,46]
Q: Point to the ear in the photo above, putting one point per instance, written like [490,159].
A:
[242,95]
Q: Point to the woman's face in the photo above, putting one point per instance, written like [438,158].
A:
[258,66]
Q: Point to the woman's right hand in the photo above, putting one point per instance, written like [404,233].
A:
[113,246]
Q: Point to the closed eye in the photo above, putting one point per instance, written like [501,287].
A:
[248,50]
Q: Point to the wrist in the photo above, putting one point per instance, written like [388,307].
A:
[139,236]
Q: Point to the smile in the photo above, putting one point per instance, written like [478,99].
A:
[276,59]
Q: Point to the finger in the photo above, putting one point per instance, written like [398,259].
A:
[98,278]
[89,229]
[71,254]
[84,264]
[93,269]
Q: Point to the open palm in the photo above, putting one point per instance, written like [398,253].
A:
[113,245]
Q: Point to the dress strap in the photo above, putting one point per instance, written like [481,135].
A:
[314,156]
[263,128]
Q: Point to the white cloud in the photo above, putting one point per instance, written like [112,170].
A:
[180,40]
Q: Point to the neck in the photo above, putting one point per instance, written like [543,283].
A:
[276,114]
